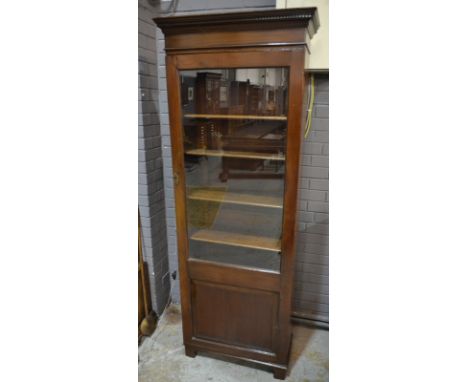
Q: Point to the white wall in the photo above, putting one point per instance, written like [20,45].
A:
[319,44]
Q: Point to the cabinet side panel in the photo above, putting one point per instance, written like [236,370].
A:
[296,92]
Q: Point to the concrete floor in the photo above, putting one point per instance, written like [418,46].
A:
[162,357]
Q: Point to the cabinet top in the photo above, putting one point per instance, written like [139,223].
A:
[232,23]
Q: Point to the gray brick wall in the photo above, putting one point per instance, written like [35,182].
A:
[311,283]
[150,165]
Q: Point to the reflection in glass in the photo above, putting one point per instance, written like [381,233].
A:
[235,124]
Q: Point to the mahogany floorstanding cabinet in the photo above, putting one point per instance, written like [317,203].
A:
[235,86]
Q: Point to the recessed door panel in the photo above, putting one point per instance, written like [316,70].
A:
[233,315]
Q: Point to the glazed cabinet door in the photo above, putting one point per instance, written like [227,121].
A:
[234,134]
[235,199]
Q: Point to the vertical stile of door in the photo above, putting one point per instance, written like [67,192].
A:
[176,128]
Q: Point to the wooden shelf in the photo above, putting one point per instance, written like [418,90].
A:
[234,154]
[238,116]
[214,195]
[238,240]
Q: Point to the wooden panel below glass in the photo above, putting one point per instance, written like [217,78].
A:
[233,315]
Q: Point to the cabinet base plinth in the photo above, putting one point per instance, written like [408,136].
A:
[279,373]
[189,352]
[279,370]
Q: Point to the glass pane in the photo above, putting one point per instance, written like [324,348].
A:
[235,124]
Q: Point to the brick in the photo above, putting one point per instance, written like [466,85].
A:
[315,307]
[312,297]
[146,155]
[313,195]
[305,160]
[302,205]
[318,184]
[321,98]
[149,189]
[171,213]
[171,240]
[147,211]
[318,161]
[316,228]
[321,84]
[148,95]
[187,5]
[168,172]
[321,111]
[315,295]
[164,107]
[163,95]
[321,218]
[148,82]
[313,248]
[165,133]
[146,28]
[171,222]
[306,217]
[319,136]
[147,68]
[311,278]
[158,162]
[165,130]
[147,42]
[313,238]
[149,143]
[149,106]
[313,172]
[159,33]
[161,59]
[151,177]
[146,55]
[304,183]
[164,118]
[145,167]
[319,124]
[169,182]
[173,262]
[258,3]
[166,152]
[162,84]
[317,269]
[151,119]
[312,148]
[313,258]
[166,141]
[161,45]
